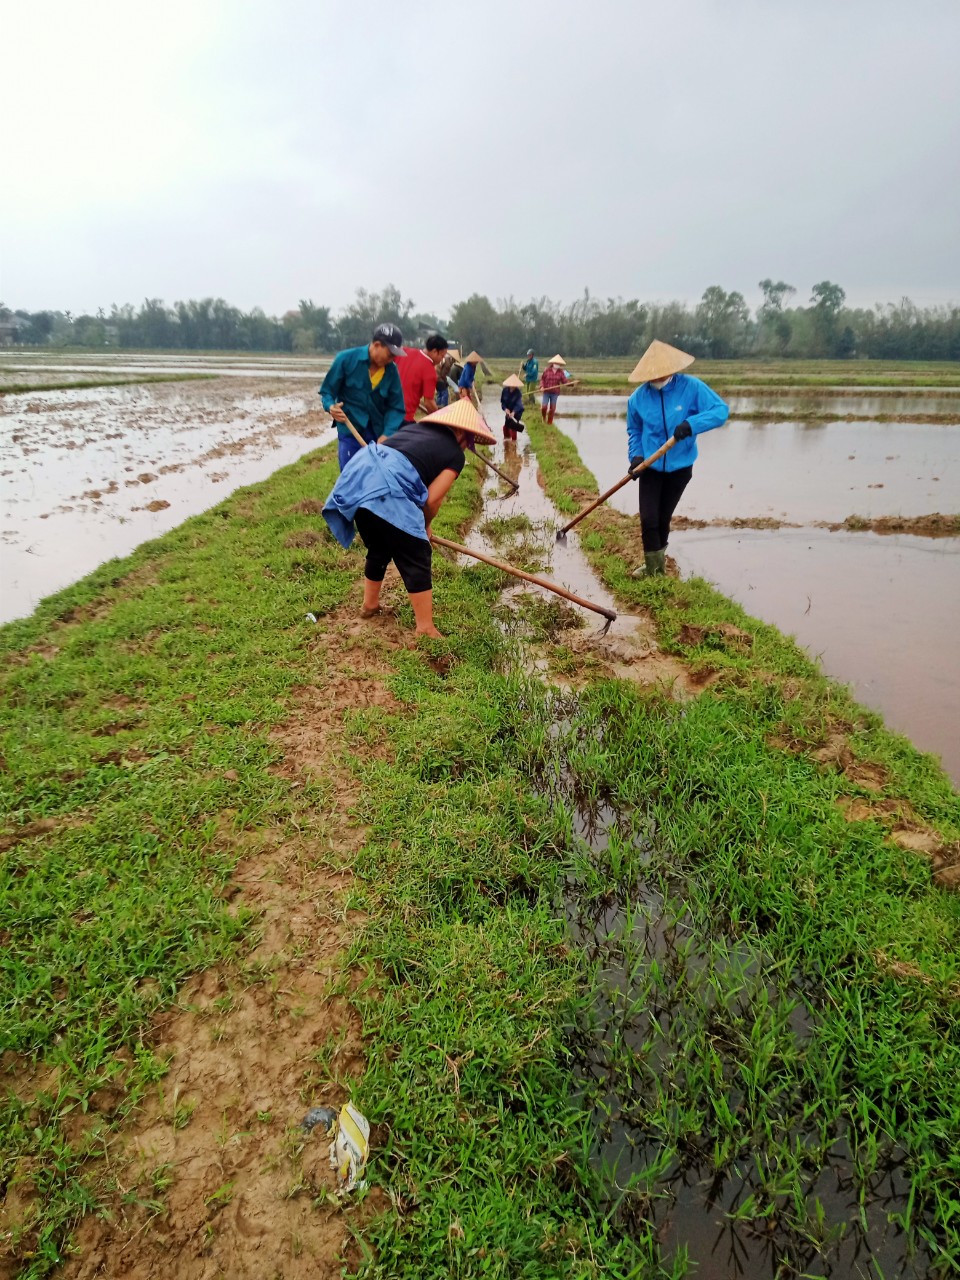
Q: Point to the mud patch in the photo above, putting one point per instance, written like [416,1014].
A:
[216,1175]
[931,526]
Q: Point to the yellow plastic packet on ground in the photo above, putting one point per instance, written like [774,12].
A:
[350,1147]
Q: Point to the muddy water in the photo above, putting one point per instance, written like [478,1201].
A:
[882,612]
[891,402]
[794,471]
[88,475]
[563,562]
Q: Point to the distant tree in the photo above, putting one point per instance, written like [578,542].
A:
[774,326]
[477,324]
[722,322]
[827,299]
[316,320]
[368,310]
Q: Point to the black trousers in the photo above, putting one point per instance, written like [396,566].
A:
[385,542]
[659,494]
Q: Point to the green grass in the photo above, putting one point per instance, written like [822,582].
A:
[594,924]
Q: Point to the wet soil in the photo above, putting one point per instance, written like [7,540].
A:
[628,648]
[216,1175]
[88,475]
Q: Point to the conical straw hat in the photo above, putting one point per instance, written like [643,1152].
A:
[473,358]
[660,360]
[558,360]
[513,381]
[461,414]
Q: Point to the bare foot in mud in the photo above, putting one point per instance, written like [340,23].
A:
[376,612]
[432,632]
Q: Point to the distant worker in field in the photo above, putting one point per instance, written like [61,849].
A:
[530,369]
[669,403]
[444,370]
[511,402]
[469,377]
[390,493]
[363,385]
[418,377]
[554,376]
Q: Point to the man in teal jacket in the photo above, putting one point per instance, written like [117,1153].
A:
[531,373]
[669,403]
[363,385]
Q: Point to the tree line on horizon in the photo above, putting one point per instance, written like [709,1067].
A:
[720,326]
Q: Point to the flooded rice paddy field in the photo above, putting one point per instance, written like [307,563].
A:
[87,475]
[882,612]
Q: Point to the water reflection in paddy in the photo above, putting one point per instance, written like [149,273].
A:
[883,613]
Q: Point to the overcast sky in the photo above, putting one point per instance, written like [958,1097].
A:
[270,150]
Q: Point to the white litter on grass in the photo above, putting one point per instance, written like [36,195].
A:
[350,1148]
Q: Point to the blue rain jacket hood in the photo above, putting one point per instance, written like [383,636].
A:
[383,481]
[653,416]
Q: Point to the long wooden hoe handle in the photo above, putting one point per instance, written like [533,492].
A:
[527,577]
[647,462]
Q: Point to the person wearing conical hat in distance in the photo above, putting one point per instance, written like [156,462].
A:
[530,369]
[390,493]
[511,402]
[469,377]
[363,385]
[668,403]
[554,376]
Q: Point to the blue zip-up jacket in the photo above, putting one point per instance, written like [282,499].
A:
[511,399]
[652,417]
[374,411]
[531,369]
[468,376]
[383,481]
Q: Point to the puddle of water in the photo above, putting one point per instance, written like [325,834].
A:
[882,614]
[79,470]
[793,471]
[624,1042]
[564,562]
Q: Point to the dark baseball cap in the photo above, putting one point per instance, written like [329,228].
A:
[391,337]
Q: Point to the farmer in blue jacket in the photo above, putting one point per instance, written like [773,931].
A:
[669,403]
[363,385]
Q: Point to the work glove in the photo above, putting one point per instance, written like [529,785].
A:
[683,432]
[634,463]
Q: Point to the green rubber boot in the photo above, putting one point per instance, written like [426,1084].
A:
[659,559]
[649,567]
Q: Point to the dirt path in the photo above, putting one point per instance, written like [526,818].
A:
[215,1177]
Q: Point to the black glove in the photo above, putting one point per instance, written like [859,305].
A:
[683,432]
[634,463]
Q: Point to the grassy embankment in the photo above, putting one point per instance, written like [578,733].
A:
[748,796]
[787,978]
[83,384]
[138,763]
